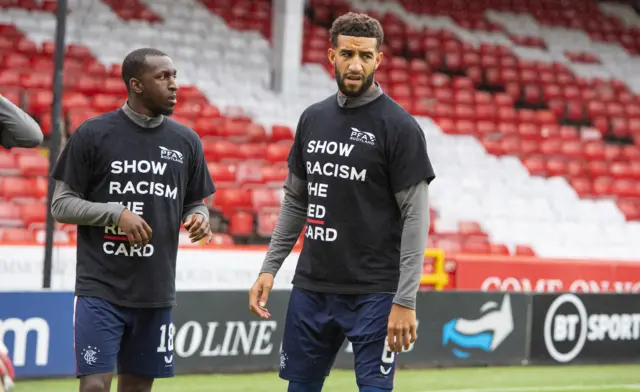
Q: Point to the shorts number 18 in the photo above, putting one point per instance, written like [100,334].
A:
[166,338]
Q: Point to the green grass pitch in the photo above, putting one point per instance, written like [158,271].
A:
[621,378]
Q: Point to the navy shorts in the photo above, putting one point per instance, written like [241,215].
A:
[138,341]
[316,326]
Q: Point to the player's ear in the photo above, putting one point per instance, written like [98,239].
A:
[135,86]
[332,56]
[379,57]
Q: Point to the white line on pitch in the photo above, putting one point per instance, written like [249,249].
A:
[544,388]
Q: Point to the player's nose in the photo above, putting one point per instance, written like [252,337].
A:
[173,86]
[355,67]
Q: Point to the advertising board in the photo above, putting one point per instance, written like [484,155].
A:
[532,274]
[197,268]
[585,328]
[37,329]
[216,332]
[467,328]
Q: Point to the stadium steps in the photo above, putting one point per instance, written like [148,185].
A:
[533,224]
[448,228]
[443,223]
[132,10]
[265,218]
[440,144]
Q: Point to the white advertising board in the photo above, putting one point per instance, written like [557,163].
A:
[198,269]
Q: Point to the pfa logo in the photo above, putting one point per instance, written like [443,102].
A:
[171,155]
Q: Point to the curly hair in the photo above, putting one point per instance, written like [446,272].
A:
[356,25]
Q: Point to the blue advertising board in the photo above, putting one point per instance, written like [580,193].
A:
[37,329]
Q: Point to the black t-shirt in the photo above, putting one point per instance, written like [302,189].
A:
[354,161]
[154,172]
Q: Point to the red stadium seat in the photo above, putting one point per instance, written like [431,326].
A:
[499,249]
[265,198]
[222,173]
[476,247]
[274,175]
[277,153]
[8,164]
[229,200]
[266,222]
[241,224]
[33,214]
[524,250]
[33,165]
[9,215]
[281,132]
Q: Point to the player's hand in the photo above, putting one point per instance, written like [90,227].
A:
[198,227]
[259,294]
[137,230]
[402,329]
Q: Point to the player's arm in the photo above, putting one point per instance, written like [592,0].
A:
[291,220]
[197,207]
[410,173]
[69,206]
[74,174]
[196,220]
[17,128]
[414,206]
[195,214]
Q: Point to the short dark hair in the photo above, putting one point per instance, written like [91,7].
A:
[135,63]
[356,25]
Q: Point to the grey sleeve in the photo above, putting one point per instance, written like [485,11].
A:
[68,206]
[17,128]
[197,207]
[291,220]
[414,205]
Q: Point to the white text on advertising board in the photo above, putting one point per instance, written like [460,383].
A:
[581,327]
[551,285]
[20,330]
[231,338]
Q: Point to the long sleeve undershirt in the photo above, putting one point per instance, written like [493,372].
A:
[70,207]
[17,128]
[414,206]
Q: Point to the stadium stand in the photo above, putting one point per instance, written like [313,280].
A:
[530,111]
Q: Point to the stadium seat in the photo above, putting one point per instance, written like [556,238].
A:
[16,235]
[33,165]
[33,215]
[241,224]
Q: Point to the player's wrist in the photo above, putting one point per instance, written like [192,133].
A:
[264,273]
[116,213]
[407,304]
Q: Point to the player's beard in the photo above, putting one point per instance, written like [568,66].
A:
[159,110]
[366,84]
[164,111]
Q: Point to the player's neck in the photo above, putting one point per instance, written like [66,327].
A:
[141,116]
[373,92]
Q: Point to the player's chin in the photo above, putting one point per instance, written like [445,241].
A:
[352,90]
[167,110]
